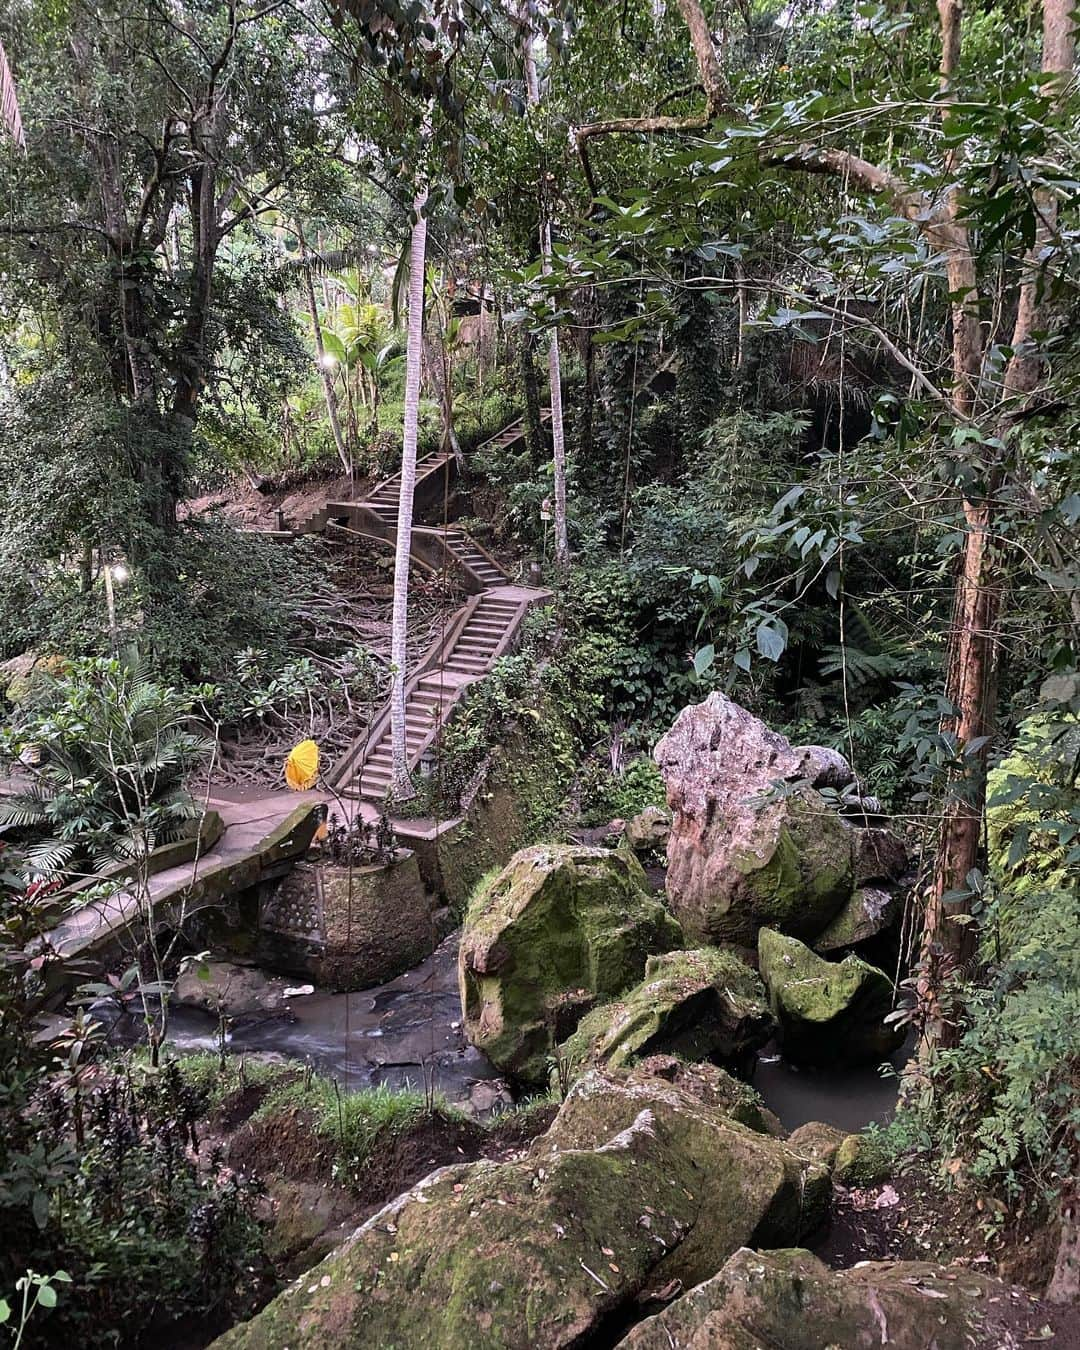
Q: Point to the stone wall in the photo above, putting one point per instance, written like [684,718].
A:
[349,929]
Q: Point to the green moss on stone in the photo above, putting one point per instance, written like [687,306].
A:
[558,928]
[799,883]
[703,1004]
[791,1299]
[829,1012]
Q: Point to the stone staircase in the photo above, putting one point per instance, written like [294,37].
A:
[482,631]
[479,633]
[471,556]
[384,496]
[434,474]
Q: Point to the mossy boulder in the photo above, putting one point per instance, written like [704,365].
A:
[789,1300]
[745,851]
[648,830]
[817,1140]
[729,1095]
[862,1160]
[559,929]
[828,1012]
[704,1004]
[745,1182]
[638,1181]
[881,856]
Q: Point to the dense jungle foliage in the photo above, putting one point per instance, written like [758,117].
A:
[812,272]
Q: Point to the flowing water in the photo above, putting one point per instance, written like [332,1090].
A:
[406,1033]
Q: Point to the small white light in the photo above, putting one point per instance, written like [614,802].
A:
[327,361]
[120,574]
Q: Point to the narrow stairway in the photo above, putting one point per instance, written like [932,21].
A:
[468,656]
[469,552]
[385,496]
[476,637]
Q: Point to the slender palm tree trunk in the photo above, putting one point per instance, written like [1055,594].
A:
[414,354]
[558,438]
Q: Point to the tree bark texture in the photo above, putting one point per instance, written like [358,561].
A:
[414,355]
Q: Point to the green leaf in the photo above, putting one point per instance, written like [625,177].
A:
[771,639]
[703,659]
[47,1296]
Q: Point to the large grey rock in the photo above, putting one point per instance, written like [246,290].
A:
[233,990]
[880,855]
[648,830]
[824,767]
[559,929]
[639,1182]
[741,855]
[705,1004]
[789,1300]
[829,1012]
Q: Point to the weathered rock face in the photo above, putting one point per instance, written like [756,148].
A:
[829,1012]
[744,1181]
[649,829]
[740,856]
[817,1140]
[880,856]
[790,1300]
[237,991]
[870,911]
[704,1004]
[638,1181]
[557,930]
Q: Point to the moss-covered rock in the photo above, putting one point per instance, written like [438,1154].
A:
[789,1300]
[817,1140]
[828,1012]
[729,1095]
[741,854]
[560,928]
[639,1180]
[862,1160]
[704,1004]
[648,830]
[880,855]
[745,1182]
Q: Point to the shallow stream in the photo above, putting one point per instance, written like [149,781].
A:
[407,1033]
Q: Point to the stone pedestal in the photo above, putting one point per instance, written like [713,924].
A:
[349,928]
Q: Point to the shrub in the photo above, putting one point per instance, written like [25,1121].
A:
[107,747]
[1005,1103]
[99,1175]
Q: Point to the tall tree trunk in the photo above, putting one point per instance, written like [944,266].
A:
[530,383]
[972,665]
[414,355]
[971,661]
[329,393]
[558,438]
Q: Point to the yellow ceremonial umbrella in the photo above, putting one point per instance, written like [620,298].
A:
[302,766]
